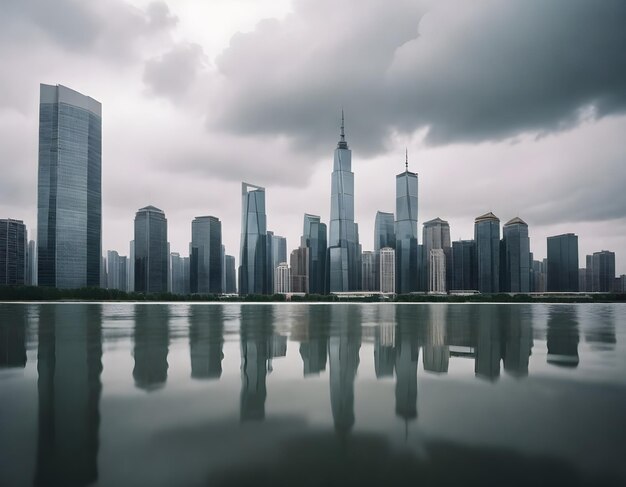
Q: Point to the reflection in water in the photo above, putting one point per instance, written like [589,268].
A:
[312,333]
[563,336]
[151,346]
[206,341]
[13,337]
[343,352]
[436,351]
[602,330]
[69,363]
[407,354]
[385,341]
[518,340]
[488,345]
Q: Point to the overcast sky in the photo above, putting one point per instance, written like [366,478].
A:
[511,106]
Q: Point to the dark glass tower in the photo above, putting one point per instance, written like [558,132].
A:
[344,268]
[384,231]
[13,243]
[206,255]
[464,265]
[69,191]
[151,253]
[603,273]
[563,263]
[314,238]
[515,257]
[253,257]
[406,231]
[229,270]
[487,238]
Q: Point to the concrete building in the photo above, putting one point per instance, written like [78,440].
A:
[387,270]
[282,279]
[437,271]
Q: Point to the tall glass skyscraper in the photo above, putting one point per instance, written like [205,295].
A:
[563,263]
[69,194]
[13,253]
[206,255]
[276,254]
[515,257]
[151,251]
[603,271]
[229,271]
[314,237]
[253,256]
[487,238]
[465,268]
[344,267]
[407,278]
[384,231]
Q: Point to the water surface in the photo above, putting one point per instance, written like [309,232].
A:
[322,394]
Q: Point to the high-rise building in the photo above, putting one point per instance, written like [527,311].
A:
[282,279]
[314,237]
[603,271]
[538,277]
[229,270]
[515,257]
[206,255]
[588,274]
[582,278]
[384,229]
[31,264]
[487,238]
[343,263]
[13,250]
[177,269]
[387,271]
[563,263]
[117,271]
[465,268]
[253,255]
[277,254]
[69,194]
[436,235]
[151,251]
[368,271]
[131,266]
[437,271]
[299,261]
[407,279]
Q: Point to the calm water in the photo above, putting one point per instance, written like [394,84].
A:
[355,394]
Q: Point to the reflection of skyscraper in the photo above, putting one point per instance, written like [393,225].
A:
[563,336]
[313,330]
[343,353]
[206,341]
[151,346]
[518,339]
[13,336]
[488,346]
[256,333]
[69,363]
[385,341]
[407,355]
[436,352]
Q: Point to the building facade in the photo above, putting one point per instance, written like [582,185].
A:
[13,252]
[277,254]
[387,271]
[205,255]
[384,229]
[314,237]
[603,271]
[515,257]
[368,271]
[437,271]
[487,238]
[344,267]
[229,269]
[563,263]
[282,279]
[253,254]
[299,261]
[151,255]
[436,235]
[69,190]
[465,267]
[117,271]
[31,264]
[407,278]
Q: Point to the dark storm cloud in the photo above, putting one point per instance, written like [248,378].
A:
[173,73]
[466,71]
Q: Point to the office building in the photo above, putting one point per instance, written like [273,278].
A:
[603,276]
[31,264]
[314,237]
[515,257]
[229,270]
[588,274]
[538,279]
[151,251]
[282,279]
[384,228]
[343,263]
[487,238]
[387,270]
[407,279]
[437,271]
[299,261]
[253,255]
[563,263]
[368,271]
[179,273]
[69,193]
[117,271]
[464,266]
[277,253]
[436,235]
[13,250]
[205,255]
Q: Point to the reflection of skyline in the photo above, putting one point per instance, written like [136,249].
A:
[313,330]
[343,356]
[69,364]
[563,336]
[406,358]
[436,351]
[206,341]
[13,338]
[151,346]
[385,341]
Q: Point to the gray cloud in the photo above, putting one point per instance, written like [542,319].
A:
[466,72]
[173,73]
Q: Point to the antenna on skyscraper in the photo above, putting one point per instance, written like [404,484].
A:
[406,158]
[343,135]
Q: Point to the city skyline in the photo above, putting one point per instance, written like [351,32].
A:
[563,155]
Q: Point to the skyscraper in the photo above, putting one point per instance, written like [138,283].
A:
[407,278]
[282,278]
[465,268]
[603,276]
[151,251]
[117,271]
[229,269]
[387,270]
[69,194]
[314,237]
[253,256]
[437,271]
[299,261]
[563,263]
[368,271]
[436,235]
[277,253]
[177,269]
[31,265]
[515,257]
[12,252]
[343,243]
[206,255]
[487,238]
[384,230]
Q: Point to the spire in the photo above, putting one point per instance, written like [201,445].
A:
[342,139]
[406,159]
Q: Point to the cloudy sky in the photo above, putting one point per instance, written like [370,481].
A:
[511,106]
